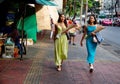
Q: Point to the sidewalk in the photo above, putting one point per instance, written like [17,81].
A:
[38,66]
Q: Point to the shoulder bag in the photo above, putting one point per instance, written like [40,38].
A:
[98,38]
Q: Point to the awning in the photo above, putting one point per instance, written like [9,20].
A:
[45,2]
[42,2]
[1,1]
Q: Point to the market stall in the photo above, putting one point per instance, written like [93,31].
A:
[24,17]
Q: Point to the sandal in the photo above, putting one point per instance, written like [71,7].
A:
[91,68]
[59,68]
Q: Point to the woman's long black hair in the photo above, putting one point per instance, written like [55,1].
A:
[95,22]
[59,19]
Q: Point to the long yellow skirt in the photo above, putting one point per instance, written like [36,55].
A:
[61,49]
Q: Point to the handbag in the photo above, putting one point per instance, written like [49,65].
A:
[68,36]
[98,38]
[94,39]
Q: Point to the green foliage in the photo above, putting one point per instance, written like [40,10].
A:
[90,4]
[95,7]
[73,6]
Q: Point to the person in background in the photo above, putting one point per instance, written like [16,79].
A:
[52,28]
[90,31]
[15,35]
[72,33]
[60,40]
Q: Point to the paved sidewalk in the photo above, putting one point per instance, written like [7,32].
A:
[38,66]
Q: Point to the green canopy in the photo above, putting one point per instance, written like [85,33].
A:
[1,1]
[30,23]
[45,2]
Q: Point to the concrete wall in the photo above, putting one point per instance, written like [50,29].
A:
[43,14]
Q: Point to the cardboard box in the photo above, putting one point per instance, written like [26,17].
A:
[27,41]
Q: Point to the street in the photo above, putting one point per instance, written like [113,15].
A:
[112,34]
[111,40]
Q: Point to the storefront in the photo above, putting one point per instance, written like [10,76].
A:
[14,11]
[22,14]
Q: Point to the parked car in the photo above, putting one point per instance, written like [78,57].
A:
[106,22]
[99,20]
[117,22]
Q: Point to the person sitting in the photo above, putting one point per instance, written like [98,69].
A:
[16,38]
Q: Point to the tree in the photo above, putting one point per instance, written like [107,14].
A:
[73,7]
[94,7]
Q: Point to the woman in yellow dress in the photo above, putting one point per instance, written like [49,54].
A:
[61,42]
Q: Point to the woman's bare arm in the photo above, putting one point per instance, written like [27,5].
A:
[55,32]
[99,28]
[83,36]
[70,27]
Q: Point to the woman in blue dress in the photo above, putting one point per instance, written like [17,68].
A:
[90,31]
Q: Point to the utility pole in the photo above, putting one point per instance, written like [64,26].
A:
[81,11]
[112,13]
[86,11]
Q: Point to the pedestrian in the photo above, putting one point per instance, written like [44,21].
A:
[90,29]
[72,33]
[52,28]
[61,42]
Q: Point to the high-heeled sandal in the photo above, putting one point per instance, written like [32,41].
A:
[59,68]
[91,68]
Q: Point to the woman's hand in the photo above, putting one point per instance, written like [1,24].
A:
[81,43]
[93,33]
[73,26]
[99,28]
[58,36]
[78,27]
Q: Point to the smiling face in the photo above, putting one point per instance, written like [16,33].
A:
[62,18]
[92,19]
